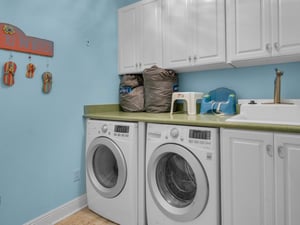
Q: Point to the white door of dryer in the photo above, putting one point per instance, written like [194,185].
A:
[178,182]
[106,167]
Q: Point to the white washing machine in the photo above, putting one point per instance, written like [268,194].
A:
[182,168]
[113,171]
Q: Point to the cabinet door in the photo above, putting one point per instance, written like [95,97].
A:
[177,33]
[248,29]
[150,34]
[247,177]
[128,39]
[209,42]
[287,179]
[140,36]
[286,32]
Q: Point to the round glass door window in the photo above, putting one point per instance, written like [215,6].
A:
[106,167]
[178,182]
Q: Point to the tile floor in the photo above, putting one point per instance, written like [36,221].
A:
[85,217]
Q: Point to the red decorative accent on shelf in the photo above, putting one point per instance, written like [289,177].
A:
[13,38]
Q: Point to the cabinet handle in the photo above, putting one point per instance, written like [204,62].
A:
[281,152]
[195,58]
[190,58]
[270,150]
[140,64]
[269,47]
[277,46]
[136,65]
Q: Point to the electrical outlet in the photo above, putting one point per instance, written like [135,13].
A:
[76,175]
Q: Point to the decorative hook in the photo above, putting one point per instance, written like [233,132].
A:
[47,64]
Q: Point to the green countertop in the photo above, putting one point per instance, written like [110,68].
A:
[113,112]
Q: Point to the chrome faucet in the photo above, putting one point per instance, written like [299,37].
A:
[277,86]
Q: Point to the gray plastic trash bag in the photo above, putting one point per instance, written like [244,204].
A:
[159,85]
[131,93]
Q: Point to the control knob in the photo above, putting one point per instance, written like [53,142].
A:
[174,132]
[104,128]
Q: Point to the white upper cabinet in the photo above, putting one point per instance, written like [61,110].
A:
[193,34]
[248,29]
[128,47]
[262,31]
[140,37]
[190,35]
[286,32]
[177,38]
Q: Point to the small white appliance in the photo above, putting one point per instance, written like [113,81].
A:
[182,169]
[113,171]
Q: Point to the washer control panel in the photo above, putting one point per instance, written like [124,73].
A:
[200,137]
[200,134]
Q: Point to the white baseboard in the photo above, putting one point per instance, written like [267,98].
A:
[60,212]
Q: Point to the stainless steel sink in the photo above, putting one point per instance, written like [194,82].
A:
[285,114]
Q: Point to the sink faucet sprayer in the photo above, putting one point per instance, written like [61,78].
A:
[277,85]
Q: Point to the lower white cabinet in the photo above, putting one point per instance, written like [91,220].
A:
[260,178]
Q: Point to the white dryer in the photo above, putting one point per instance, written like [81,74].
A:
[182,168]
[113,171]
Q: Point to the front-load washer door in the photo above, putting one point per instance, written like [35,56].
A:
[106,167]
[177,182]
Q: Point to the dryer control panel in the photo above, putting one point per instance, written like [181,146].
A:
[121,130]
[113,129]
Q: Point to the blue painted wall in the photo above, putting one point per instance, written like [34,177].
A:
[42,136]
[248,82]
